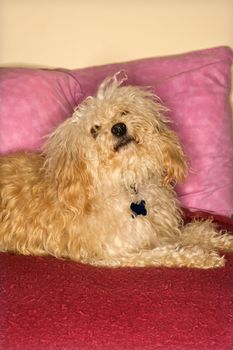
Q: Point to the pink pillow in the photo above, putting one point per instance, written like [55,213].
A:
[32,103]
[195,86]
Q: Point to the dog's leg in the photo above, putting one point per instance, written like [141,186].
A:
[167,256]
[205,234]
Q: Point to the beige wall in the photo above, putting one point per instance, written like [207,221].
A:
[76,33]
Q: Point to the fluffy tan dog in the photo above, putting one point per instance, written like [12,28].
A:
[101,193]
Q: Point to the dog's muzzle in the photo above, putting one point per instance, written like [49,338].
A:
[120,131]
[124,141]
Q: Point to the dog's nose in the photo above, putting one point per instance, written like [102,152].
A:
[119,129]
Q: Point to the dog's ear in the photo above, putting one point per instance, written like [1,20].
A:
[173,158]
[66,170]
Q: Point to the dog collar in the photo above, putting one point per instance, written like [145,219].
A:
[138,208]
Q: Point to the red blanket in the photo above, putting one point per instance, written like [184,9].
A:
[48,304]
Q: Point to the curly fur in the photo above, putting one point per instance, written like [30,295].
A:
[73,200]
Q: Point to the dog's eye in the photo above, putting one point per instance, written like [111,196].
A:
[125,112]
[94,130]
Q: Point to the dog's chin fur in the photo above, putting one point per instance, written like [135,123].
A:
[74,200]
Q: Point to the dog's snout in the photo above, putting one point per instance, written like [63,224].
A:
[119,129]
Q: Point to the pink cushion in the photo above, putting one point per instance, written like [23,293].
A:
[195,86]
[32,103]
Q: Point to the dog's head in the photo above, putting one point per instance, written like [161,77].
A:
[122,130]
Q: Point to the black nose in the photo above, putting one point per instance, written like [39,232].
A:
[119,129]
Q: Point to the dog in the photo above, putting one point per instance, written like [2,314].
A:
[101,190]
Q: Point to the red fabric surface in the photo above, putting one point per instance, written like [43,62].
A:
[47,303]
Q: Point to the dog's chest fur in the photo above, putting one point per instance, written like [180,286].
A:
[115,213]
